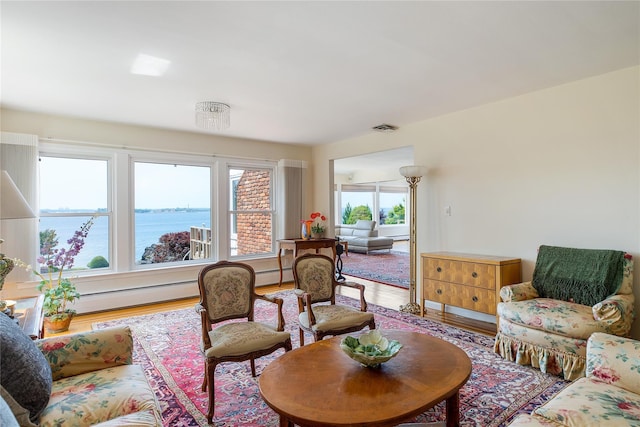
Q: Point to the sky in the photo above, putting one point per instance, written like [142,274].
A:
[83,185]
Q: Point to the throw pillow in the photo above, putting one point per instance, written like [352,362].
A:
[24,372]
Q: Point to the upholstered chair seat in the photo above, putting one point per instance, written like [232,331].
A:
[315,287]
[236,339]
[330,318]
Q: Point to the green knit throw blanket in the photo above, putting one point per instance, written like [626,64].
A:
[583,276]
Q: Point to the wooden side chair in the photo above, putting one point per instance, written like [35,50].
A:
[227,291]
[315,283]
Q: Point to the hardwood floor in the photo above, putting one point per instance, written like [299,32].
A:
[375,293]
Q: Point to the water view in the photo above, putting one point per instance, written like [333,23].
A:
[149,226]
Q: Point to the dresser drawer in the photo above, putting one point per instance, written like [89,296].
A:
[469,297]
[468,281]
[464,273]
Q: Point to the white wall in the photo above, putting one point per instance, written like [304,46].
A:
[559,166]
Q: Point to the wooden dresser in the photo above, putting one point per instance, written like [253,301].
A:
[469,281]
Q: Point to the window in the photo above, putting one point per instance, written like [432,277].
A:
[172,212]
[357,203]
[393,202]
[251,211]
[153,210]
[72,190]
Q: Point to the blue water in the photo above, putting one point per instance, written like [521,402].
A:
[149,226]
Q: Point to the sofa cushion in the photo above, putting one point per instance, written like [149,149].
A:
[590,402]
[552,315]
[83,352]
[99,396]
[363,233]
[22,363]
[137,419]
[614,360]
[365,224]
[344,231]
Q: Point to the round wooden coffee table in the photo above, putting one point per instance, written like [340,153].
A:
[319,385]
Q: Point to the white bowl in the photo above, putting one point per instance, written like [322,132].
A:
[370,349]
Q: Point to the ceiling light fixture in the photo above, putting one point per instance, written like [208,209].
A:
[147,65]
[213,115]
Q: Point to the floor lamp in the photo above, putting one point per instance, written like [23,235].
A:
[412,174]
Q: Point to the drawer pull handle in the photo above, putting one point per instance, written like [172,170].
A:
[474,274]
[439,270]
[439,291]
[474,299]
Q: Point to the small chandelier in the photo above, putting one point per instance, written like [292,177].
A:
[213,115]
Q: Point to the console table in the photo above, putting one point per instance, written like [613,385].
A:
[297,245]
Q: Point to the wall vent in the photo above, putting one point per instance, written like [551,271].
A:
[385,128]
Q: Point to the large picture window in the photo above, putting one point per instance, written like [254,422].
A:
[72,190]
[172,212]
[385,204]
[154,210]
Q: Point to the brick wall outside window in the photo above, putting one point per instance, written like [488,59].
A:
[254,229]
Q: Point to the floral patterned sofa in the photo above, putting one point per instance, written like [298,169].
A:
[89,380]
[609,395]
[550,333]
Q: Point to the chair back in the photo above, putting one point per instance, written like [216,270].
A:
[226,290]
[315,275]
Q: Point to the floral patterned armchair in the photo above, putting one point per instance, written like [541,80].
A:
[551,332]
[608,395]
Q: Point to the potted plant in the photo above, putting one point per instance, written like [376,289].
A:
[318,228]
[58,290]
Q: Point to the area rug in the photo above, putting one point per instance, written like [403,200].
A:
[167,346]
[388,267]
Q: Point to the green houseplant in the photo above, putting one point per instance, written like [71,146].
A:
[58,290]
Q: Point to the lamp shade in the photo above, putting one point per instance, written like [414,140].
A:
[413,171]
[12,203]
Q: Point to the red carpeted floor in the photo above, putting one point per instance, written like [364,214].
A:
[388,267]
[167,345]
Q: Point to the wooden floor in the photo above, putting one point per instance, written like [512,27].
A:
[375,293]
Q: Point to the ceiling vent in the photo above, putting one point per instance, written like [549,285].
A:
[385,128]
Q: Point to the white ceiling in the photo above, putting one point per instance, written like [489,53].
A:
[302,72]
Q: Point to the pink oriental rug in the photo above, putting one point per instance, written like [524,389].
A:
[388,267]
[167,346]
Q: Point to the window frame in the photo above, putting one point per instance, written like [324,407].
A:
[230,164]
[121,206]
[90,154]
[168,159]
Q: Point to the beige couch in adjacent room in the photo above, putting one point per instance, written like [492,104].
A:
[362,237]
